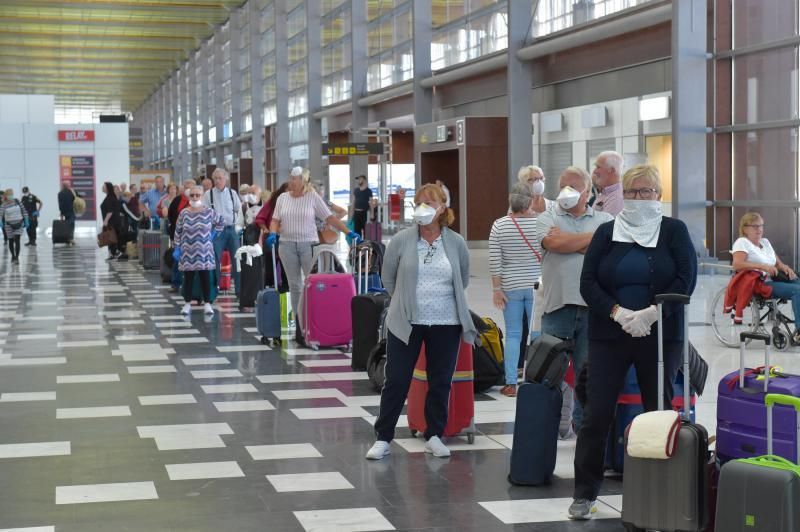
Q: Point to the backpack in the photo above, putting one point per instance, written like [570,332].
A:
[376,261]
[487,371]
[252,234]
[492,339]
[376,365]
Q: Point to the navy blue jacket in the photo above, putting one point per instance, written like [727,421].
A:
[673,269]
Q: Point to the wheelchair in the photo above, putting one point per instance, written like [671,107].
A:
[767,316]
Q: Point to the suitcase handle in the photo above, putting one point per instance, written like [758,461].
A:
[660,299]
[743,337]
[275,280]
[361,276]
[771,399]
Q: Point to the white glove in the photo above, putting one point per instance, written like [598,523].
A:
[622,315]
[641,321]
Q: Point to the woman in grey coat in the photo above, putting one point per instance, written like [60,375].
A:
[426,271]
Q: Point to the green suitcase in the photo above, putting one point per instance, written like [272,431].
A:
[761,494]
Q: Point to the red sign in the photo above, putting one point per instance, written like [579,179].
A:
[75,135]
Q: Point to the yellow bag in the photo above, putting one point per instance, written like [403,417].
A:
[492,339]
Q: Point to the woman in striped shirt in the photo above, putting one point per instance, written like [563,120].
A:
[295,217]
[15,219]
[515,266]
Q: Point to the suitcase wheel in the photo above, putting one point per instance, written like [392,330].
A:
[471,437]
[413,433]
[264,340]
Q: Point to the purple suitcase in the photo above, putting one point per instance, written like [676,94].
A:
[742,415]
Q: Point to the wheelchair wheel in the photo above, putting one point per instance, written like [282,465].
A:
[726,331]
[780,340]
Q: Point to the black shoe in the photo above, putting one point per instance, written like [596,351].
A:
[28,244]
[122,256]
[33,244]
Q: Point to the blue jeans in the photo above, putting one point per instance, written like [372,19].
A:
[571,323]
[227,239]
[791,292]
[519,305]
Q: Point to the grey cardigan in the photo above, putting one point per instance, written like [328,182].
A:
[399,275]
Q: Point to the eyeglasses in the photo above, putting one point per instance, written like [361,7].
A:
[755,226]
[429,256]
[643,193]
[195,195]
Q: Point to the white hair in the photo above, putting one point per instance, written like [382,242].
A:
[580,172]
[611,159]
[526,171]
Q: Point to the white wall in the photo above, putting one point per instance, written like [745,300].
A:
[30,152]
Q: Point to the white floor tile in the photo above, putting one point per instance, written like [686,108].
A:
[143,357]
[28,450]
[159,319]
[123,491]
[33,361]
[309,482]
[344,362]
[457,443]
[190,436]
[176,332]
[77,379]
[539,510]
[92,412]
[243,406]
[188,340]
[82,343]
[203,470]
[344,376]
[289,377]
[331,412]
[135,337]
[283,452]
[305,351]
[173,324]
[237,348]
[27,337]
[216,373]
[309,393]
[178,399]
[38,318]
[30,529]
[494,417]
[18,397]
[205,361]
[115,323]
[151,369]
[229,388]
[362,400]
[239,315]
[344,520]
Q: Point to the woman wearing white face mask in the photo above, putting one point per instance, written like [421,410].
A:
[533,177]
[426,271]
[193,235]
[630,260]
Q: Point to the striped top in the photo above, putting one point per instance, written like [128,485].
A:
[193,235]
[11,214]
[298,216]
[510,258]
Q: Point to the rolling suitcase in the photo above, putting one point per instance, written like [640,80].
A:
[366,309]
[166,259]
[535,444]
[373,231]
[251,275]
[268,309]
[225,272]
[151,249]
[671,494]
[60,232]
[324,296]
[741,414]
[461,410]
[761,494]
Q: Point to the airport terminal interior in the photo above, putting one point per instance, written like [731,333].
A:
[121,411]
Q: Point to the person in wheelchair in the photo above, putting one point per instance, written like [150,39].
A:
[752,251]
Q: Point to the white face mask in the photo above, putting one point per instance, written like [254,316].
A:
[196,204]
[424,214]
[640,212]
[568,198]
[537,187]
[186,192]
[252,199]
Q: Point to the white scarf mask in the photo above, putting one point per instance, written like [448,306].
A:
[639,222]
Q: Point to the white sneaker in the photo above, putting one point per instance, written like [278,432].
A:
[379,449]
[187,309]
[207,309]
[435,447]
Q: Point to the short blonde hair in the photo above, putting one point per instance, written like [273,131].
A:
[578,171]
[525,172]
[747,219]
[647,172]
[435,192]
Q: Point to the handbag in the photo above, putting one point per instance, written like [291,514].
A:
[107,237]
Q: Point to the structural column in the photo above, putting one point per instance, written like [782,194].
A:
[423,35]
[282,90]
[689,21]
[519,95]
[358,63]
[314,88]
[257,96]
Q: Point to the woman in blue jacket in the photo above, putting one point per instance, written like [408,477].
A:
[629,261]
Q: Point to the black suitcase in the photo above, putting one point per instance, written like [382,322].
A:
[251,277]
[60,232]
[488,372]
[365,310]
[533,455]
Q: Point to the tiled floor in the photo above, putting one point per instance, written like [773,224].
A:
[117,413]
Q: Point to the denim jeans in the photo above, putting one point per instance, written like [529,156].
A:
[296,259]
[518,306]
[227,239]
[571,323]
[791,292]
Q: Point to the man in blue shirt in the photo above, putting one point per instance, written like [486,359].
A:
[149,200]
[225,202]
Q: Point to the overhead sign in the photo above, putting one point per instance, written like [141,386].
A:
[76,135]
[353,148]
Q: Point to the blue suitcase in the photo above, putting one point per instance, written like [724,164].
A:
[268,309]
[533,455]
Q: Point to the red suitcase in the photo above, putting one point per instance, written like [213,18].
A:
[461,413]
[225,272]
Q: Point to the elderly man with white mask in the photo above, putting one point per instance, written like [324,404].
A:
[564,233]
[607,175]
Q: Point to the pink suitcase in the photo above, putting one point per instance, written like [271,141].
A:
[325,295]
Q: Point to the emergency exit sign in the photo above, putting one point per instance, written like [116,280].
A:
[76,135]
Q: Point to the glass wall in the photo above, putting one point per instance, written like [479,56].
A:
[389,34]
[556,15]
[296,32]
[467,29]
[336,52]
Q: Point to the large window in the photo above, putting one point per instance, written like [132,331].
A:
[336,54]
[389,34]
[556,15]
[479,33]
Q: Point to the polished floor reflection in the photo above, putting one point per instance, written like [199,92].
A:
[118,414]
